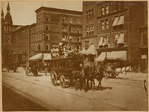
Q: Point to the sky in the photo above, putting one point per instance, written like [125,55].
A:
[23,13]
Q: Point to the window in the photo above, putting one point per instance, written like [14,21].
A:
[55,17]
[38,47]
[47,47]
[64,20]
[90,30]
[47,37]
[107,9]
[86,44]
[47,27]
[106,40]
[102,25]
[90,14]
[47,18]
[70,20]
[87,33]
[116,6]
[78,30]
[116,39]
[102,11]
[78,21]
[107,24]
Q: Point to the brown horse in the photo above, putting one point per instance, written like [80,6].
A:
[94,72]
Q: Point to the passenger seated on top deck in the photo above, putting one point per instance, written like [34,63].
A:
[54,51]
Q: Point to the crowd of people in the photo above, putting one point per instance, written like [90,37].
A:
[62,49]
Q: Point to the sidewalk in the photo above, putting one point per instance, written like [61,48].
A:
[134,76]
[129,75]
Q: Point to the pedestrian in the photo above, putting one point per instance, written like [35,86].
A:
[35,69]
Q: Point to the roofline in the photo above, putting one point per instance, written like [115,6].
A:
[59,10]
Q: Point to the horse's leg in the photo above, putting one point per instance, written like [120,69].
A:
[92,83]
[81,83]
[99,83]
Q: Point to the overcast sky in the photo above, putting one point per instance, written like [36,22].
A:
[23,13]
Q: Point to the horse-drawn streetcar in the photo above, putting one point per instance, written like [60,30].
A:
[67,71]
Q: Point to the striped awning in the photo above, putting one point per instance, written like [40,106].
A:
[102,56]
[91,50]
[83,51]
[122,55]
[121,20]
[115,21]
[39,56]
[121,39]
[100,41]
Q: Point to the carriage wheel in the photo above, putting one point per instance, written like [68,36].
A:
[54,78]
[62,81]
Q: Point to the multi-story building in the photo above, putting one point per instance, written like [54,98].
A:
[21,43]
[56,25]
[52,27]
[116,28]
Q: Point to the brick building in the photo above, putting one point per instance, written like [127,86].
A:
[116,26]
[52,27]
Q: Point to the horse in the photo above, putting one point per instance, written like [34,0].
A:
[77,75]
[94,72]
[12,66]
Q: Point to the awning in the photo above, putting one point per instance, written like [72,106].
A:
[36,57]
[100,41]
[91,50]
[46,56]
[83,51]
[102,56]
[121,38]
[121,20]
[115,21]
[122,55]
